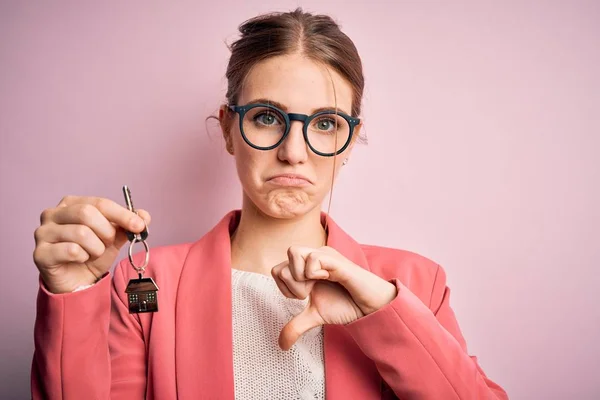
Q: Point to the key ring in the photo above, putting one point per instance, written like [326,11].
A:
[142,268]
[139,238]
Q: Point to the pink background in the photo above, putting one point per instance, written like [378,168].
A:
[483,122]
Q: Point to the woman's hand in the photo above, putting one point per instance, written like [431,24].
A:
[340,291]
[79,240]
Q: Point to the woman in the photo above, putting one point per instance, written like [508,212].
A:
[351,321]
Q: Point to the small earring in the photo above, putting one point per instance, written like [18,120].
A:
[345,161]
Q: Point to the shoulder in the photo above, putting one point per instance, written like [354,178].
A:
[418,273]
[390,262]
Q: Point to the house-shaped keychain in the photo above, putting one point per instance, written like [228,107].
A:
[142,295]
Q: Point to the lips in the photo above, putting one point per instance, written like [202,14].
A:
[290,180]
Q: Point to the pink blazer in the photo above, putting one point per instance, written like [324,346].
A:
[85,349]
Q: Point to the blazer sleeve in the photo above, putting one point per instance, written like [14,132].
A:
[419,351]
[87,345]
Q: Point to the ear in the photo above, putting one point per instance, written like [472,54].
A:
[356,133]
[225,120]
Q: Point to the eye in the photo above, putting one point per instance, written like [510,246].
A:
[266,118]
[325,124]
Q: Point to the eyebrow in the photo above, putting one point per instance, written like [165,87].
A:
[286,109]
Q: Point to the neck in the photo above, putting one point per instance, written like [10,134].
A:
[260,242]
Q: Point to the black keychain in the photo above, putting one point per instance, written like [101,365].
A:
[141,292]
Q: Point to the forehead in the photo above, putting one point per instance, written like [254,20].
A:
[299,83]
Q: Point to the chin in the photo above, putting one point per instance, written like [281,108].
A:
[288,205]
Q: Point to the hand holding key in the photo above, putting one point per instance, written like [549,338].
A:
[79,240]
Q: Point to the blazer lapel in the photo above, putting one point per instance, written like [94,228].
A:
[349,374]
[203,325]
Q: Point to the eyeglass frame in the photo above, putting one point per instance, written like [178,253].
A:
[289,117]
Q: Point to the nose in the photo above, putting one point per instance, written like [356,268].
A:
[294,149]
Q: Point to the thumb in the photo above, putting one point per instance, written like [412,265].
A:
[121,236]
[309,318]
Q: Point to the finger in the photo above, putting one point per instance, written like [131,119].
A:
[80,234]
[296,256]
[337,267]
[50,254]
[288,286]
[145,216]
[304,263]
[88,215]
[121,236]
[298,289]
[110,210]
[313,268]
[284,289]
[101,204]
[297,326]
[275,272]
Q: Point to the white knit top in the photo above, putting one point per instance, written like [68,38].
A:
[261,369]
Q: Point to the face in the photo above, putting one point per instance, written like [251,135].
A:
[301,86]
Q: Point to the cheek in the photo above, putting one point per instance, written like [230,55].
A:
[248,163]
[245,164]
[324,171]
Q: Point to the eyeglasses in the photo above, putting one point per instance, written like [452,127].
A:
[264,127]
